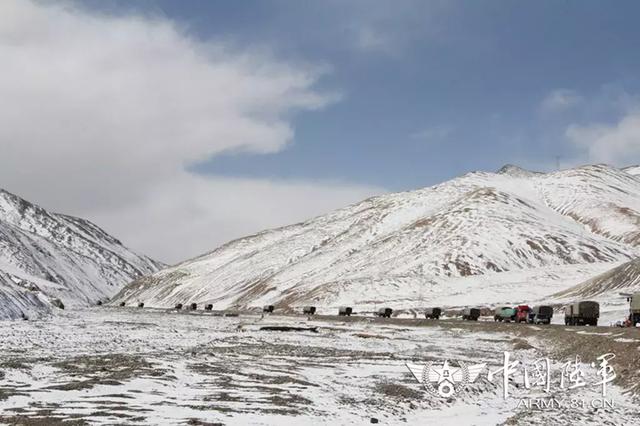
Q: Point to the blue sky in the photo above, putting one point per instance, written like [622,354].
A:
[440,88]
[180,125]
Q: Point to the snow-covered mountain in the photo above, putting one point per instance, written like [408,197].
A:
[46,256]
[453,242]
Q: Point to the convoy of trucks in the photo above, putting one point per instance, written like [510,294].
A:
[524,313]
[586,312]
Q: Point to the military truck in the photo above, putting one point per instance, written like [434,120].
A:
[193,306]
[634,308]
[505,314]
[471,314]
[178,306]
[541,315]
[384,312]
[268,309]
[522,313]
[433,313]
[309,310]
[208,307]
[582,313]
[345,311]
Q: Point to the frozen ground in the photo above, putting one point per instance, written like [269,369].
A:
[142,366]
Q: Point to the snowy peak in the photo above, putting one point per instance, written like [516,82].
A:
[46,256]
[515,171]
[398,246]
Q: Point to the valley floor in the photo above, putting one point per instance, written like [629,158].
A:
[145,366]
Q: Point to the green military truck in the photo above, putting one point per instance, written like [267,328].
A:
[541,315]
[582,313]
[433,313]
[471,314]
[384,312]
[505,314]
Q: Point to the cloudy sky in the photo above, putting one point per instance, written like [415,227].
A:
[178,125]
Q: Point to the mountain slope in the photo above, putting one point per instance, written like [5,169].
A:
[623,278]
[600,197]
[44,256]
[632,170]
[406,247]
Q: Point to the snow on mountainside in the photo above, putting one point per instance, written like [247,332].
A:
[632,170]
[44,256]
[460,240]
[600,197]
[624,278]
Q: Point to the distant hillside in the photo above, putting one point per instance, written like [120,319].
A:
[624,278]
[46,256]
[424,246]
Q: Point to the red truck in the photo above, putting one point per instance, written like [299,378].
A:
[522,313]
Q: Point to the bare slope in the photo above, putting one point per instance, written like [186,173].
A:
[408,246]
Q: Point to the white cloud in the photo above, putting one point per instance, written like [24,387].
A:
[560,100]
[193,214]
[101,114]
[388,27]
[616,144]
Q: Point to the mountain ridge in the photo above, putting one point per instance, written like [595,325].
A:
[477,225]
